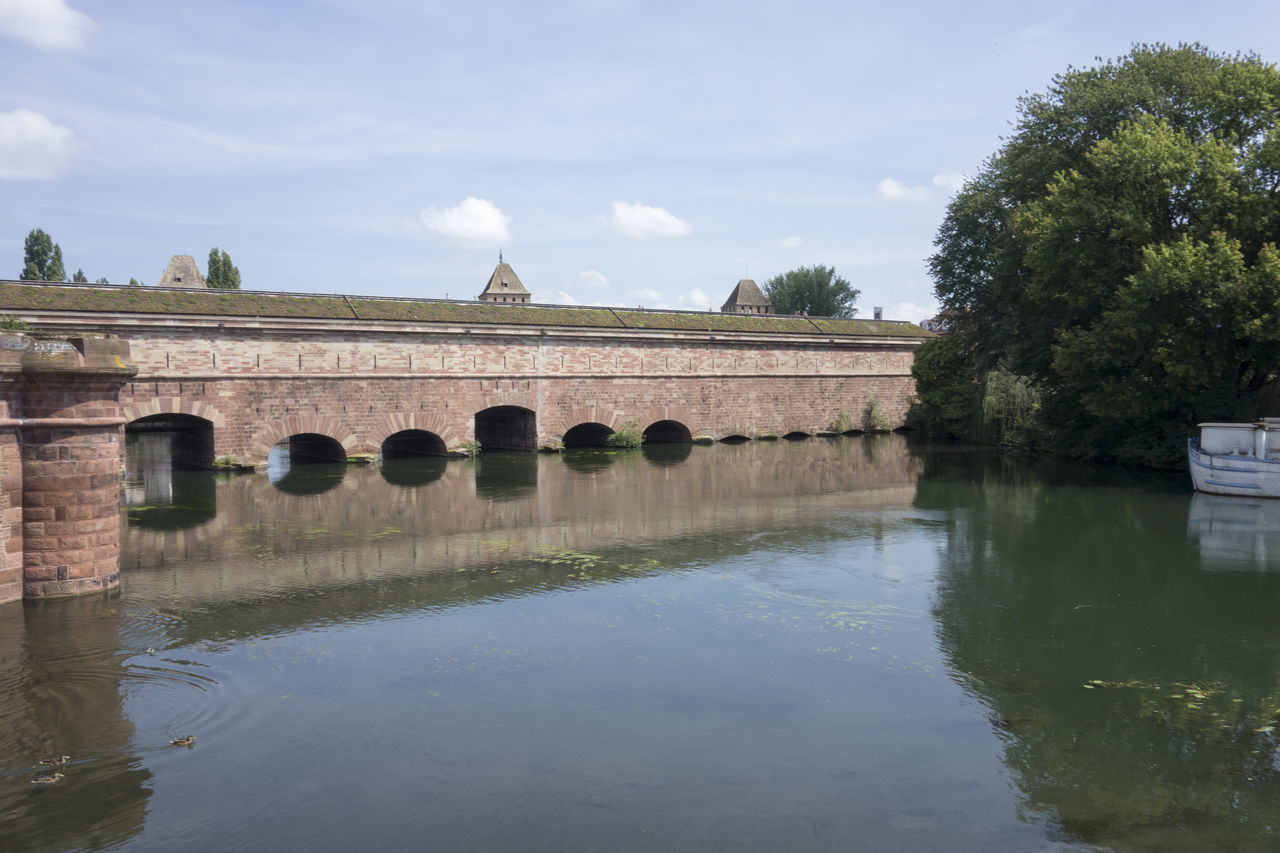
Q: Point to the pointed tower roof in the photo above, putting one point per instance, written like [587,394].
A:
[504,282]
[181,272]
[746,294]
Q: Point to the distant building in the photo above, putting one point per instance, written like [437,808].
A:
[181,272]
[504,285]
[747,298]
[936,324]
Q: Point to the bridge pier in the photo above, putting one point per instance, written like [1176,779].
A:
[61,452]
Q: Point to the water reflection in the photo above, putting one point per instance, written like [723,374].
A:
[1235,534]
[1133,686]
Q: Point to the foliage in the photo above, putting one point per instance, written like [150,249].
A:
[221,274]
[842,424]
[627,435]
[874,419]
[948,400]
[815,290]
[133,282]
[80,277]
[102,280]
[1117,254]
[41,258]
[472,447]
[12,323]
[1009,406]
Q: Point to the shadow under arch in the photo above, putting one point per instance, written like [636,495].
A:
[589,460]
[506,476]
[588,435]
[190,438]
[413,471]
[667,432]
[735,438]
[507,428]
[307,464]
[413,444]
[666,453]
[797,435]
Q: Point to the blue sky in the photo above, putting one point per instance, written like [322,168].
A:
[622,153]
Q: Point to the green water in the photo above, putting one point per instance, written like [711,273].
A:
[853,644]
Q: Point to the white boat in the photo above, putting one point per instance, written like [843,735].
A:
[1237,459]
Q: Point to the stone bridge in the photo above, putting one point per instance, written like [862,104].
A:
[233,374]
[348,376]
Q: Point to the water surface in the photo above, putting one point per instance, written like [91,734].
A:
[819,645]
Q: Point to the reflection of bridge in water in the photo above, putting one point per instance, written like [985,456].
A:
[432,516]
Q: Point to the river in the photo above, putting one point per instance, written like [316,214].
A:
[831,644]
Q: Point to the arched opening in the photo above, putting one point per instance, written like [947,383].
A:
[796,435]
[736,438]
[667,432]
[412,444]
[506,428]
[307,464]
[588,435]
[186,441]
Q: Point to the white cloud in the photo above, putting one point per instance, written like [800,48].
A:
[695,300]
[898,191]
[911,311]
[32,147]
[790,242]
[640,222]
[47,24]
[950,180]
[593,278]
[559,298]
[476,222]
[646,294]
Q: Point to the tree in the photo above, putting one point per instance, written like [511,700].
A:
[221,273]
[1117,252]
[42,258]
[813,290]
[80,277]
[102,280]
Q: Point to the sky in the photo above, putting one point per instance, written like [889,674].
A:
[617,153]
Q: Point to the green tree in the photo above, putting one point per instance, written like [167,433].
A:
[221,273]
[42,258]
[1116,252]
[815,290]
[80,277]
[102,280]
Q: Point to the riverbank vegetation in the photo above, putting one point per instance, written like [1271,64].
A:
[1109,277]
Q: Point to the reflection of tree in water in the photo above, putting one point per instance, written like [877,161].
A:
[1043,590]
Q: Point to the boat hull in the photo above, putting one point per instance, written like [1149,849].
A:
[1233,474]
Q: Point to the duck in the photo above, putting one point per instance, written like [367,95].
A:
[55,762]
[183,741]
[46,779]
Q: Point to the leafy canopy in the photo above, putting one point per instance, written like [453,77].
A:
[221,273]
[41,258]
[1118,253]
[815,290]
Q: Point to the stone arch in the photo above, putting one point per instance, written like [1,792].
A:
[507,427]
[389,424]
[579,415]
[587,434]
[139,409]
[412,444]
[186,440]
[668,431]
[304,425]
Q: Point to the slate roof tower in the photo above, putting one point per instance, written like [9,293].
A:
[747,298]
[504,285]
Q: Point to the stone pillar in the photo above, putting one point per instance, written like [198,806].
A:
[70,438]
